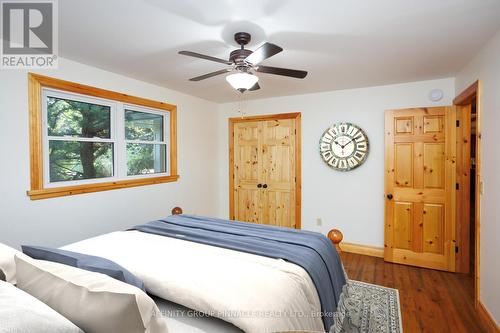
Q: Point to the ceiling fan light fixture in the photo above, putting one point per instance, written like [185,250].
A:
[242,81]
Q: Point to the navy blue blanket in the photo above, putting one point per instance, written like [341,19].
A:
[310,250]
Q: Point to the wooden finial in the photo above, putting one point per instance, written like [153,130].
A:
[336,237]
[176,211]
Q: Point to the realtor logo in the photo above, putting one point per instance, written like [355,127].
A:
[29,34]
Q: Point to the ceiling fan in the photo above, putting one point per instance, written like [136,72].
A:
[244,63]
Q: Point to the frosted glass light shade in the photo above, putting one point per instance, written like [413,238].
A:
[242,80]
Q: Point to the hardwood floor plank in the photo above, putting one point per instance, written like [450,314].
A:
[430,306]
[404,285]
[431,301]
[445,301]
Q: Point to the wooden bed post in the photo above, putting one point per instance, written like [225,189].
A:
[176,211]
[336,237]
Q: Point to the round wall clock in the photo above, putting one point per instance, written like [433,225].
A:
[344,146]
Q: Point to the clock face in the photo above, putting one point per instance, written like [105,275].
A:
[344,146]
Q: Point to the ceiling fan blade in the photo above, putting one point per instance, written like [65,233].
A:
[282,71]
[206,76]
[206,57]
[255,87]
[265,51]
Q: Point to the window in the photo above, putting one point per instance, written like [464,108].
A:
[79,141]
[93,140]
[146,145]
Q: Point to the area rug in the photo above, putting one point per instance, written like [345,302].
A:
[371,309]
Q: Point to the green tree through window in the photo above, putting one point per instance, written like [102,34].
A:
[145,151]
[70,157]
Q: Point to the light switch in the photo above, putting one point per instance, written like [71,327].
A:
[319,221]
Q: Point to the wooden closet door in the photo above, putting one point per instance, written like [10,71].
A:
[420,183]
[264,169]
[247,171]
[278,172]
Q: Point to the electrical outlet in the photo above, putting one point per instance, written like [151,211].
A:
[319,221]
[481,188]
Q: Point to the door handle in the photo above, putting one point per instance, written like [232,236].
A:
[264,186]
[259,185]
[389,196]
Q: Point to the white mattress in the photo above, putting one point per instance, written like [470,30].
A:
[255,293]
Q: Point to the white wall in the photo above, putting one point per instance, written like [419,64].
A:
[58,221]
[351,201]
[486,67]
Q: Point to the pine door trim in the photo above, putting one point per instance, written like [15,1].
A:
[298,158]
[466,97]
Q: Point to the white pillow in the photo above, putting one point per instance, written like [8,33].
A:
[22,313]
[93,301]
[7,263]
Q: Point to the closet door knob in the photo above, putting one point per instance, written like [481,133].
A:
[259,185]
[264,186]
[389,196]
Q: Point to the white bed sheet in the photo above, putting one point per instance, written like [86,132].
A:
[183,320]
[255,293]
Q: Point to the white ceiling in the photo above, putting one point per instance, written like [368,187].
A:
[342,43]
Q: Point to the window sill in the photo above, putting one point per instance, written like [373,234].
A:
[89,188]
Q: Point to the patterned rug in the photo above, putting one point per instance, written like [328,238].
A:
[371,309]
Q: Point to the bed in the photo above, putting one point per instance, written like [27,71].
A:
[231,289]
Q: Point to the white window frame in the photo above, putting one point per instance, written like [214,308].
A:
[117,138]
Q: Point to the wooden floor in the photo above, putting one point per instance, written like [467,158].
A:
[431,301]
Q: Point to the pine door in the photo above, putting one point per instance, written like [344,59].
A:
[264,155]
[419,186]
[247,172]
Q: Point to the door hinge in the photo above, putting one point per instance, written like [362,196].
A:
[456,249]
[457,186]
[458,123]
